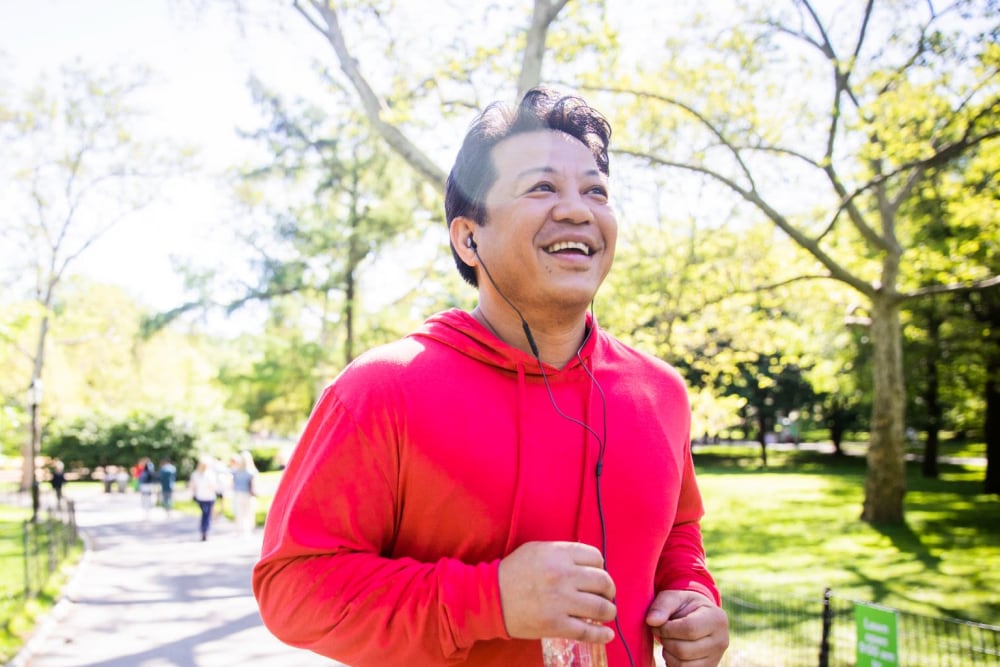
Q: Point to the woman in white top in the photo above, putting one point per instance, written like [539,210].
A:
[204,484]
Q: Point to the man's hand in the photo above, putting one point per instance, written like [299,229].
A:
[557,589]
[693,630]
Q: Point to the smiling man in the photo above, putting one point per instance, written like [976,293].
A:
[505,475]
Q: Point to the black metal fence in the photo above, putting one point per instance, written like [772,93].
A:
[46,543]
[774,629]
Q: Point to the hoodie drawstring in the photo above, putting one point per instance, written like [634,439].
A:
[588,465]
[515,516]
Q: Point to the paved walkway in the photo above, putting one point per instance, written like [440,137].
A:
[149,593]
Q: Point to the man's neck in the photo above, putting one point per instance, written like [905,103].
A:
[558,339]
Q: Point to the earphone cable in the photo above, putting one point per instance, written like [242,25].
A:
[601,442]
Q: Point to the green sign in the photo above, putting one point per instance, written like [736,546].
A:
[876,636]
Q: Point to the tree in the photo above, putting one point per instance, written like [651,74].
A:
[322,208]
[909,88]
[955,334]
[899,104]
[716,302]
[986,306]
[73,170]
[327,19]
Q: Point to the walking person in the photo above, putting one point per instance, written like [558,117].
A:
[58,481]
[204,484]
[244,474]
[168,479]
[147,486]
[507,475]
[223,485]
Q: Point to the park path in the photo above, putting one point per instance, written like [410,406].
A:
[149,593]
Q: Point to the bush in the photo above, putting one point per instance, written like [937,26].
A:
[96,441]
[265,458]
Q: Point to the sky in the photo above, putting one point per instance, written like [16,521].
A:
[201,60]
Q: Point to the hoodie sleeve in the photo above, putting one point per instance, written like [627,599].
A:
[682,563]
[326,581]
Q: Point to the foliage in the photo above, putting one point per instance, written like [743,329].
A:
[910,91]
[266,459]
[327,205]
[13,429]
[74,168]
[95,441]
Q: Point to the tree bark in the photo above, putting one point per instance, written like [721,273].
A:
[991,427]
[932,400]
[885,482]
[991,423]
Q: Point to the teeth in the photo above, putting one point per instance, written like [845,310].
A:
[568,245]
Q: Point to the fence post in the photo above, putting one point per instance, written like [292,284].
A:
[53,535]
[27,575]
[824,643]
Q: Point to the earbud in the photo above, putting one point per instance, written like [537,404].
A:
[470,243]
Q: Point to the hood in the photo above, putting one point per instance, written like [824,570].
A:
[462,332]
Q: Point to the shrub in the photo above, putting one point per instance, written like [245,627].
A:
[96,441]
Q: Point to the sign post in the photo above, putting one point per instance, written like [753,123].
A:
[876,636]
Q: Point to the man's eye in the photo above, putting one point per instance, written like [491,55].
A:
[543,187]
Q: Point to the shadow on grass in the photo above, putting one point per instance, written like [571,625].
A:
[797,522]
[905,540]
[741,459]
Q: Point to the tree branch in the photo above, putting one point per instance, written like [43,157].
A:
[545,12]
[370,101]
[701,118]
[954,288]
[837,272]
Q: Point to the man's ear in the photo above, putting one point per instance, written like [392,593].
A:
[461,230]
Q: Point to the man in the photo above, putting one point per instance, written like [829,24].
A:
[168,480]
[504,475]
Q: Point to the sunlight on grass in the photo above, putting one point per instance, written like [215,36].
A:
[795,527]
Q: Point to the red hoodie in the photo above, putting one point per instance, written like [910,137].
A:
[429,459]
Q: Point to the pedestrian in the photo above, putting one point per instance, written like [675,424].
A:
[203,484]
[223,485]
[147,485]
[168,479]
[136,472]
[122,479]
[244,475]
[504,475]
[58,480]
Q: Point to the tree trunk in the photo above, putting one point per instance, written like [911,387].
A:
[349,318]
[990,315]
[34,440]
[885,483]
[762,434]
[837,422]
[991,427]
[932,398]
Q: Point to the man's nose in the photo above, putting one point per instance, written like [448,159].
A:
[572,207]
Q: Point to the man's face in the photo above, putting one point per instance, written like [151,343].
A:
[550,232]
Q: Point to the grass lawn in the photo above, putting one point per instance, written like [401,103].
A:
[794,527]
[17,614]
